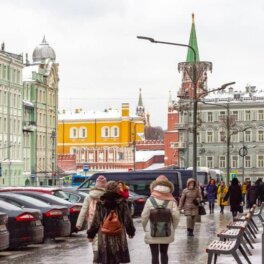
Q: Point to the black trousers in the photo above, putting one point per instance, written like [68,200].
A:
[163,250]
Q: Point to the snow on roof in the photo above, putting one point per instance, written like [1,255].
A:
[84,115]
[28,103]
[155,166]
[27,72]
[142,156]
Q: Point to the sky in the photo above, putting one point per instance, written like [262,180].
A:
[102,64]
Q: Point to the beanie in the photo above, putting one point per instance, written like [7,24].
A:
[161,178]
[101,182]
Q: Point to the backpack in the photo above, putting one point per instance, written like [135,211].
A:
[111,224]
[160,219]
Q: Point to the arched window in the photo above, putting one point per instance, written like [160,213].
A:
[105,132]
[73,132]
[114,131]
[82,132]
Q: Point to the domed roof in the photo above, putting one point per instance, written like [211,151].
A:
[43,51]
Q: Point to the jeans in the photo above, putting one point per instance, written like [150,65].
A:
[163,250]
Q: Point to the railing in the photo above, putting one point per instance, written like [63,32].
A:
[178,145]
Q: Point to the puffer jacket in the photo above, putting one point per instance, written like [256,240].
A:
[187,199]
[172,205]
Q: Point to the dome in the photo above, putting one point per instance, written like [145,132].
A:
[43,51]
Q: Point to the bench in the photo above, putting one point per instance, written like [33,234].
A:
[218,247]
[259,213]
[251,220]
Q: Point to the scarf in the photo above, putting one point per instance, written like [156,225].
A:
[160,194]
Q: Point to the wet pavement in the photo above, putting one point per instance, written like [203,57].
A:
[76,249]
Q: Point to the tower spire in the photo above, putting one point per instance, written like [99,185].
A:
[140,107]
[193,43]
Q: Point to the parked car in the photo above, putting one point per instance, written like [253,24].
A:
[54,217]
[49,190]
[74,208]
[138,202]
[75,196]
[24,225]
[4,234]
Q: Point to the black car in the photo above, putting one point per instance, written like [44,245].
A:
[24,225]
[4,234]
[54,217]
[74,209]
[138,202]
[75,196]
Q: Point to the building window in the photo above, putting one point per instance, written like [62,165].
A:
[73,132]
[198,160]
[260,161]
[247,136]
[222,136]
[261,135]
[248,162]
[235,115]
[209,162]
[105,132]
[82,132]
[209,136]
[234,161]
[260,114]
[73,151]
[235,136]
[114,131]
[222,162]
[209,117]
[248,116]
[222,115]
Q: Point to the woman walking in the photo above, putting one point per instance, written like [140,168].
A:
[235,197]
[189,202]
[221,193]
[161,197]
[88,209]
[211,190]
[112,248]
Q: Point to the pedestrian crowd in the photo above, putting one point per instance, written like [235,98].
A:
[109,221]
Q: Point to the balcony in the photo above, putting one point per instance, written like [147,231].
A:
[178,145]
[29,126]
[181,126]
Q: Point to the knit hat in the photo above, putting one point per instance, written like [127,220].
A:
[161,178]
[101,182]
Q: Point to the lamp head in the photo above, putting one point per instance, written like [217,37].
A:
[146,38]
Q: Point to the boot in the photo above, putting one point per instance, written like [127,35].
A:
[95,258]
[212,208]
[188,231]
[191,232]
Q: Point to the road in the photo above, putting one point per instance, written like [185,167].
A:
[76,249]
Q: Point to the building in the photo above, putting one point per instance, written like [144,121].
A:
[183,105]
[11,113]
[40,108]
[104,140]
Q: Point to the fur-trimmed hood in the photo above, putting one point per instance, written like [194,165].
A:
[191,180]
[162,183]
[96,193]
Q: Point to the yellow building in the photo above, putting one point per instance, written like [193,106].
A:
[101,139]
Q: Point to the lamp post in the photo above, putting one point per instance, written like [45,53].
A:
[243,152]
[195,103]
[53,137]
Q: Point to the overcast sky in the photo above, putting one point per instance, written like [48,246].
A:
[102,64]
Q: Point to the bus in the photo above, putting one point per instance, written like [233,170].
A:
[74,180]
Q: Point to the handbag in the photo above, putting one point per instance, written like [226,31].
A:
[201,210]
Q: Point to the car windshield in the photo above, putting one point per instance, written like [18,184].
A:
[61,194]
[33,201]
[83,193]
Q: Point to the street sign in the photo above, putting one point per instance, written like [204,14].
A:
[85,167]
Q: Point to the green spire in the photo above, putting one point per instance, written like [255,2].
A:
[140,101]
[193,43]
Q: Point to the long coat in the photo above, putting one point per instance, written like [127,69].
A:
[211,190]
[186,201]
[221,193]
[235,197]
[146,224]
[112,249]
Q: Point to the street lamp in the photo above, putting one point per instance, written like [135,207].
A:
[243,152]
[53,137]
[195,103]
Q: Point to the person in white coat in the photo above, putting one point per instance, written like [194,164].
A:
[88,209]
[161,190]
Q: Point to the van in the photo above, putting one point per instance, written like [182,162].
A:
[139,181]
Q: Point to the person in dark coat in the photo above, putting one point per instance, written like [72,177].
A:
[211,190]
[252,195]
[235,197]
[259,190]
[112,249]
